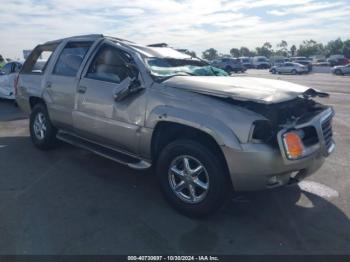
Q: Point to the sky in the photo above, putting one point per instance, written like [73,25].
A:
[191,24]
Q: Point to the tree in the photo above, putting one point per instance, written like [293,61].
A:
[334,47]
[265,50]
[188,52]
[310,47]
[210,54]
[235,52]
[282,48]
[346,48]
[245,51]
[2,61]
[293,50]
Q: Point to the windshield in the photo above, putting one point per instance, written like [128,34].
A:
[168,67]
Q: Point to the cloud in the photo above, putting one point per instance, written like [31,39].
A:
[192,24]
[277,12]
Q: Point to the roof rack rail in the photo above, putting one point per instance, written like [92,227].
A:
[159,45]
[117,39]
[73,37]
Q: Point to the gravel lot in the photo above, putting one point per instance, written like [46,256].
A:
[69,201]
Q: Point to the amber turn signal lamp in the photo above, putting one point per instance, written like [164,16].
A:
[293,145]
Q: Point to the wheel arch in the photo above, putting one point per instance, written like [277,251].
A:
[34,100]
[166,132]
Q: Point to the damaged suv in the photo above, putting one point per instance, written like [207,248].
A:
[203,132]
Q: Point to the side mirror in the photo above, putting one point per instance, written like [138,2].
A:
[132,70]
[129,86]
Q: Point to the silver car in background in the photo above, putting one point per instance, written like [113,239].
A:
[289,68]
[341,70]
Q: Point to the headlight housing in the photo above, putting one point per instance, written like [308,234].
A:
[293,145]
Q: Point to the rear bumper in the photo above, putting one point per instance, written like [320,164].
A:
[261,166]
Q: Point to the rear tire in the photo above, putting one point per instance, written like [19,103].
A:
[42,132]
[213,179]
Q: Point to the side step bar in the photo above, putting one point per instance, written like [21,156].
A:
[104,151]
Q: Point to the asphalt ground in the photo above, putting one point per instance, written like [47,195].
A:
[70,201]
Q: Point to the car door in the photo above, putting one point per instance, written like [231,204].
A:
[98,115]
[61,82]
[281,68]
[4,80]
[288,68]
[16,67]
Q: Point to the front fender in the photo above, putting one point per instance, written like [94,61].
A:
[217,129]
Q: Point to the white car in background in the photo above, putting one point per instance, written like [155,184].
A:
[7,79]
[289,68]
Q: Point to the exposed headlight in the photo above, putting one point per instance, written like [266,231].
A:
[293,144]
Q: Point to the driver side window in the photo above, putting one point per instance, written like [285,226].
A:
[108,65]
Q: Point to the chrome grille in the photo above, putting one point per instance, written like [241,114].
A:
[327,131]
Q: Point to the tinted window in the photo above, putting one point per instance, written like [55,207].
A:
[38,59]
[7,68]
[71,58]
[109,65]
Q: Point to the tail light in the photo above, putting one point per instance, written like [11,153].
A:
[16,84]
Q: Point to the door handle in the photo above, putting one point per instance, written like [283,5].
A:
[48,84]
[81,89]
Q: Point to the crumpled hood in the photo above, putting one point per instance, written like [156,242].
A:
[261,90]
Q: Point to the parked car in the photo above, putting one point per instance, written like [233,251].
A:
[335,60]
[261,62]
[153,106]
[246,62]
[341,70]
[302,60]
[320,62]
[7,79]
[289,68]
[277,60]
[229,65]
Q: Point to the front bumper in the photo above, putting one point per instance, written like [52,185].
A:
[261,166]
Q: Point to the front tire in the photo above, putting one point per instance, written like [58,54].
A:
[42,132]
[294,72]
[338,72]
[192,178]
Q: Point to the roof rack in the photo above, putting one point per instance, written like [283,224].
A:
[159,45]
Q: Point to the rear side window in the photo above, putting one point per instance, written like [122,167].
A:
[38,59]
[71,58]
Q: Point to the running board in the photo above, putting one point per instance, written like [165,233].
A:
[104,151]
